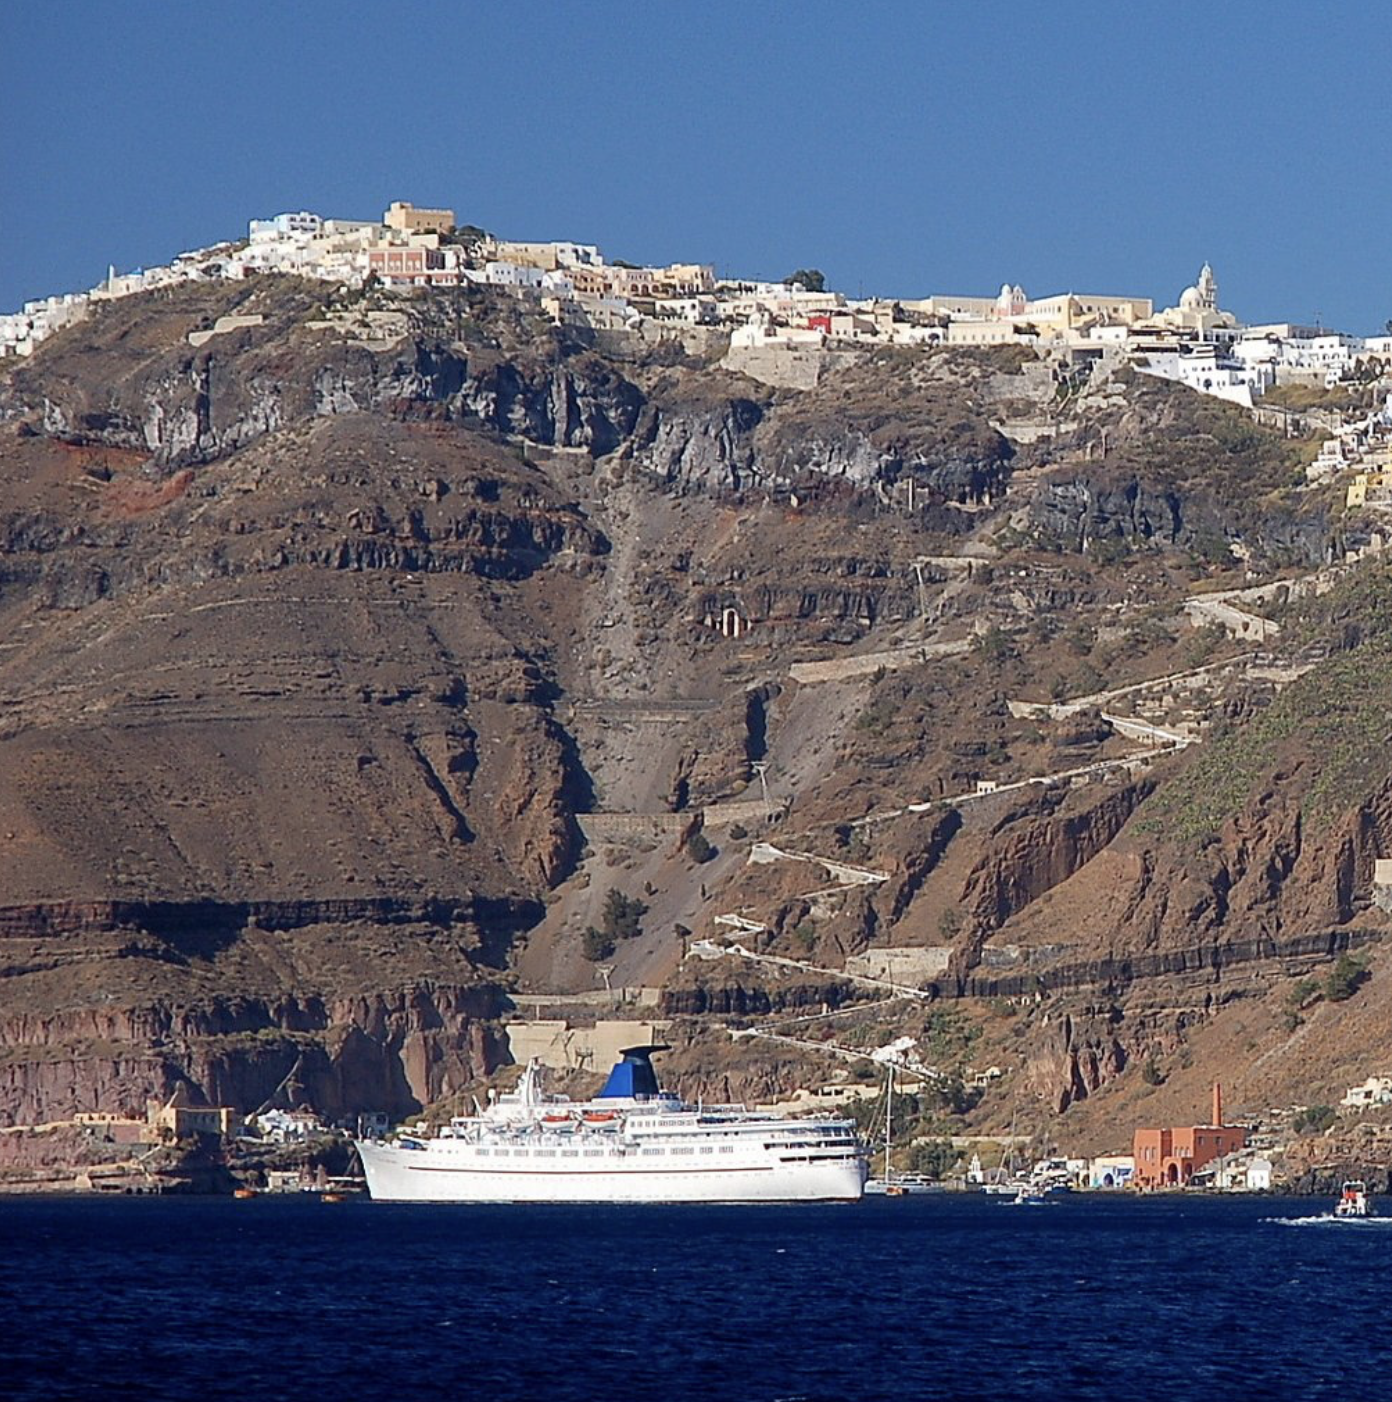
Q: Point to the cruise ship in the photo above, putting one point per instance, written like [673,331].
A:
[632,1143]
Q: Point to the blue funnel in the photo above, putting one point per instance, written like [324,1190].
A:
[633,1074]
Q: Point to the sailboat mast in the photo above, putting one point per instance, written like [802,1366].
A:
[889,1118]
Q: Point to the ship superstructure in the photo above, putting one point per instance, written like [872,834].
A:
[634,1142]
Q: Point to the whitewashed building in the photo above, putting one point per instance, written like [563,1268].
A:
[1376,1090]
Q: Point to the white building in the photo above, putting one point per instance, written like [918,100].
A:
[1376,1090]
[497,274]
[1111,1170]
[283,226]
[1209,369]
[288,1126]
[1259,1172]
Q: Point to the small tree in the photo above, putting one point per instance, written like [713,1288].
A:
[1344,979]
[596,944]
[994,645]
[698,845]
[934,1158]
[812,279]
[1315,1119]
[622,916]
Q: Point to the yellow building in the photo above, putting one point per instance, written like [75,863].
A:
[1370,489]
[181,1119]
[1073,309]
[1064,312]
[403,215]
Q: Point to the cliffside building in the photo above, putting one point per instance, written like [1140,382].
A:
[1169,1158]
[403,215]
[181,1119]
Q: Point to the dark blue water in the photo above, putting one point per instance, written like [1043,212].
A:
[943,1297]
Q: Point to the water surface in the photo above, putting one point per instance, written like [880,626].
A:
[928,1297]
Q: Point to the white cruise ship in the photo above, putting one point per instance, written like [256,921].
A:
[632,1143]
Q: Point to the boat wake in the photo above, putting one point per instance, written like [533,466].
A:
[1328,1219]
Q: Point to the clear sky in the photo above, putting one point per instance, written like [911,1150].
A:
[902,148]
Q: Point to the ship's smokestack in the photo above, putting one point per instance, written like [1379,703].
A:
[1217,1103]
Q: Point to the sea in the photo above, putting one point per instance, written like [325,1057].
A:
[944,1296]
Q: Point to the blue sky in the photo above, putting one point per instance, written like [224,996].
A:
[902,148]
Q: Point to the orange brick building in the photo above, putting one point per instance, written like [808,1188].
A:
[1169,1158]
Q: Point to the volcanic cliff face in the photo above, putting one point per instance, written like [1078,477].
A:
[353,656]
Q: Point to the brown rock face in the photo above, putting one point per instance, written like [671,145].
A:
[1072,1060]
[312,650]
[110,1004]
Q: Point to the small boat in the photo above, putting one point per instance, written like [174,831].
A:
[1353,1200]
[244,1193]
[332,1197]
[899,1185]
[1026,1196]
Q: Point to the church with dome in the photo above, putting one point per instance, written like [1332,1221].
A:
[1198,311]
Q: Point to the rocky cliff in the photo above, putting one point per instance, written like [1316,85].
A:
[322,637]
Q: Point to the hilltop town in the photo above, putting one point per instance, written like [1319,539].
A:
[788,332]
[425,651]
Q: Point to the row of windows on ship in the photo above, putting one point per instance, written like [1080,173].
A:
[647,1149]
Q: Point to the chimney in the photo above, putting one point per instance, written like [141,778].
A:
[1217,1104]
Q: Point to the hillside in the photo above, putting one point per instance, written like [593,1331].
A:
[351,659]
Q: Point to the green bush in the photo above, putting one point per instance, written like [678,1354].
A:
[933,1159]
[1344,979]
[1151,1074]
[622,916]
[596,944]
[1314,1119]
[699,848]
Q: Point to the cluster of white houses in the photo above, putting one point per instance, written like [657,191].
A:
[1194,342]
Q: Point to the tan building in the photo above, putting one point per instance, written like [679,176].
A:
[1370,489]
[403,215]
[1198,308]
[180,1119]
[1063,312]
[675,280]
[1072,309]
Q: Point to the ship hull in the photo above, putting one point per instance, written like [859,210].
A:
[397,1174]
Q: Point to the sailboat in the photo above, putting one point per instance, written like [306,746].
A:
[891,1184]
